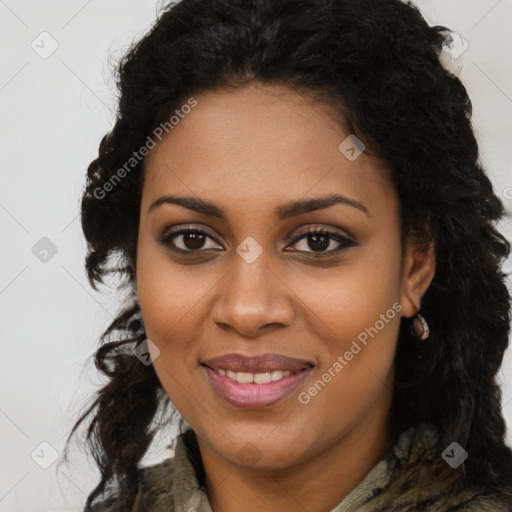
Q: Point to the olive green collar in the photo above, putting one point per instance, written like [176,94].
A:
[189,492]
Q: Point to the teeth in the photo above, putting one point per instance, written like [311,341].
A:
[244,378]
[262,378]
[256,378]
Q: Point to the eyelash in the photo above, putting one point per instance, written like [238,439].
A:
[344,242]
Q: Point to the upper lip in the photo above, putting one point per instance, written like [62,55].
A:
[258,364]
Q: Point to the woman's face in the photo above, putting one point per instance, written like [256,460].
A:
[256,166]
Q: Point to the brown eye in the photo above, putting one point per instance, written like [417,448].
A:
[318,240]
[188,240]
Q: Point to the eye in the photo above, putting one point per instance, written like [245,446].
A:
[188,240]
[319,239]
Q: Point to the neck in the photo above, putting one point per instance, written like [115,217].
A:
[317,483]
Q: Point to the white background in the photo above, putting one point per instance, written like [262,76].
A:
[54,112]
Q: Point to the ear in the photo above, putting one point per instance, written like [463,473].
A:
[418,272]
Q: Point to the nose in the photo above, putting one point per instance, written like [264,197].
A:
[252,298]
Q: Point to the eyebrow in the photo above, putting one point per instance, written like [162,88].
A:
[282,212]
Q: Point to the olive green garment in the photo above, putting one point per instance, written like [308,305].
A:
[178,484]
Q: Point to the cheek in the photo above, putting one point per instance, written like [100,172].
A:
[170,297]
[167,291]
[359,329]
[172,310]
[359,333]
[357,314]
[354,297]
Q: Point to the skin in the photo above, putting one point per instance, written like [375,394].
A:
[250,151]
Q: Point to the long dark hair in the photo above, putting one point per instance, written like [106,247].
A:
[377,64]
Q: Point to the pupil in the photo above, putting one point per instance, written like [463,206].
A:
[315,238]
[196,240]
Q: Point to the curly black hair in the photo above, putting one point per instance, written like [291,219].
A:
[377,64]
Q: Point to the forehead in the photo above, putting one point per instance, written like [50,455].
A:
[261,145]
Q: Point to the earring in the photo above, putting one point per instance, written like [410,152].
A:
[419,327]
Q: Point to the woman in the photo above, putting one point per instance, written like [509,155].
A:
[293,194]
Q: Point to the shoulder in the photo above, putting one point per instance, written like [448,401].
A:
[419,479]
[485,501]
[154,483]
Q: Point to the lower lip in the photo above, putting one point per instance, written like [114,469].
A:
[252,396]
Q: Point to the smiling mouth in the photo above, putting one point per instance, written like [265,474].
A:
[254,378]
[249,390]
